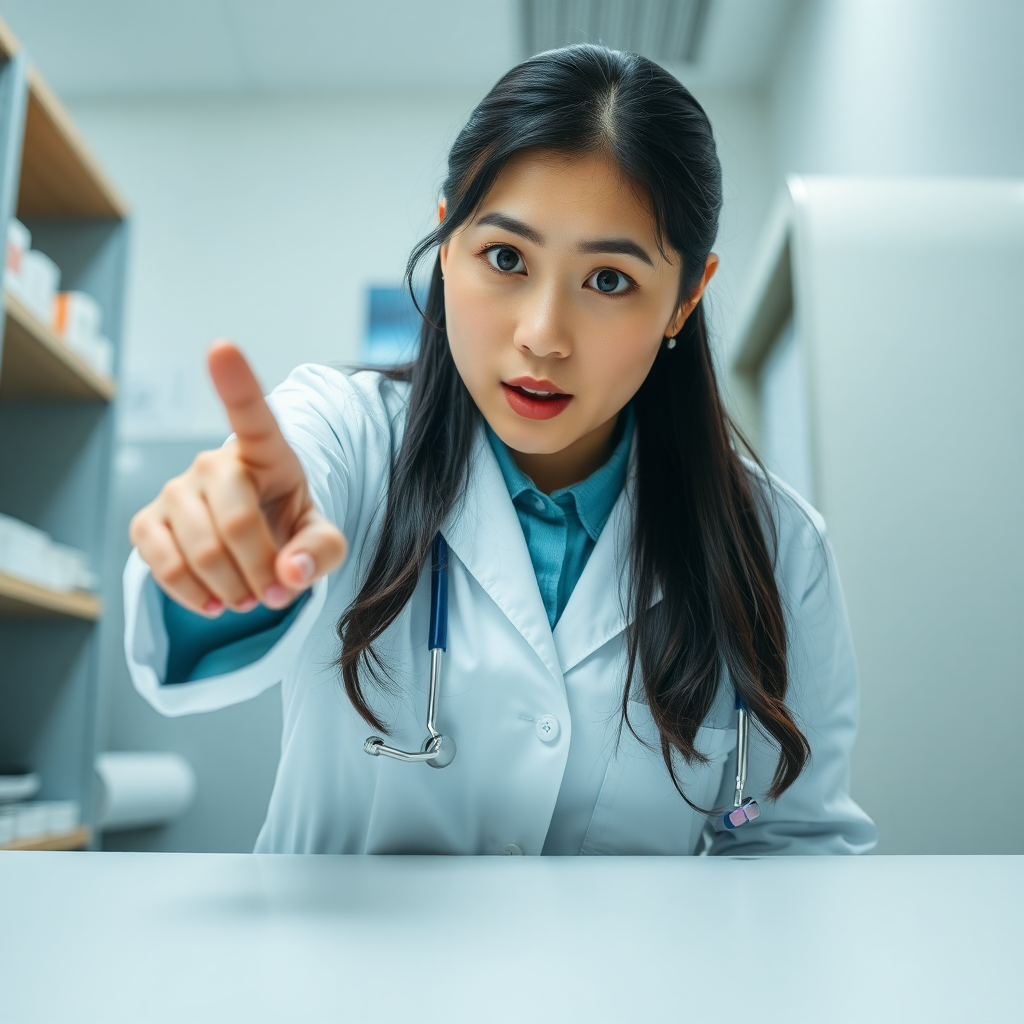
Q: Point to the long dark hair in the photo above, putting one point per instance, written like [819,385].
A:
[697,527]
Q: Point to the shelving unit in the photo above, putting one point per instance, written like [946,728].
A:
[56,437]
[37,364]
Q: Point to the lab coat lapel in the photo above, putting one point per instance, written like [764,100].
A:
[485,533]
[596,609]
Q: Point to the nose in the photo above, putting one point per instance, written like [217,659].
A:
[544,327]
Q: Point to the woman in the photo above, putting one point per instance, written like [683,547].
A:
[619,577]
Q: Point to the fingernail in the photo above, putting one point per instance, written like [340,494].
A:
[248,604]
[304,566]
[213,606]
[275,596]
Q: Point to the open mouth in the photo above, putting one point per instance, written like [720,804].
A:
[535,400]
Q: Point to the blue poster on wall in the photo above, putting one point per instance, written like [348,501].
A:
[392,326]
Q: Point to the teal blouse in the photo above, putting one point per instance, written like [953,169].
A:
[560,529]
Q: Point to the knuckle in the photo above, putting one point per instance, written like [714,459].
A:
[241,522]
[208,556]
[138,527]
[335,545]
[174,489]
[172,571]
[205,461]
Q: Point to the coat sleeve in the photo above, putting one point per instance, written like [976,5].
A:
[334,423]
[816,815]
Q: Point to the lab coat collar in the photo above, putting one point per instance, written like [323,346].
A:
[484,532]
[597,609]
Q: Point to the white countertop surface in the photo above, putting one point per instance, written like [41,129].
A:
[222,937]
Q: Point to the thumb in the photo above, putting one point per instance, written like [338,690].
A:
[316,548]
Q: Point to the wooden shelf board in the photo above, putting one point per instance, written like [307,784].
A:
[37,364]
[22,598]
[76,839]
[59,176]
[9,45]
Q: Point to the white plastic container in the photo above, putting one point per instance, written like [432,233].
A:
[31,554]
[19,241]
[32,821]
[25,552]
[77,317]
[60,815]
[70,567]
[37,284]
[8,818]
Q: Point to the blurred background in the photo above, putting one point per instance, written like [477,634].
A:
[278,160]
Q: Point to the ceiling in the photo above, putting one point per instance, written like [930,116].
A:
[120,48]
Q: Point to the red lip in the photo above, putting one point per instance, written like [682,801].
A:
[532,407]
[536,385]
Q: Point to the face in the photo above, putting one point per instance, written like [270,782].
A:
[557,301]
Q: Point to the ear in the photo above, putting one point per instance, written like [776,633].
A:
[684,309]
[442,209]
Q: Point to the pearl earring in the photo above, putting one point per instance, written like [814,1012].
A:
[670,343]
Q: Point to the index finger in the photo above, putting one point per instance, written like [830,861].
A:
[259,438]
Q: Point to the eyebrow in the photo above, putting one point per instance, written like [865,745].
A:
[622,246]
[517,227]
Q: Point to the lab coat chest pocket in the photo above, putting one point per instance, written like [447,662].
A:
[639,810]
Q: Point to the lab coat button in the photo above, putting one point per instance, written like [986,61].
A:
[547,728]
[539,502]
[511,850]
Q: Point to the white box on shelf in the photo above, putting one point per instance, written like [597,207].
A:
[8,818]
[32,555]
[61,815]
[37,284]
[77,317]
[72,568]
[32,820]
[19,241]
[25,552]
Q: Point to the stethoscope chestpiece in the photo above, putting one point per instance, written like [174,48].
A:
[747,811]
[443,749]
[438,751]
[743,809]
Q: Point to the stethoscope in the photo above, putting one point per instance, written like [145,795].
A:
[439,751]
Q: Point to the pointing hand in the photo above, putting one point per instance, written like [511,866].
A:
[238,527]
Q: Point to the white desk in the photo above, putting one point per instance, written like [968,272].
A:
[206,937]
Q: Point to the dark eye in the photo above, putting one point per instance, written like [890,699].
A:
[609,282]
[505,259]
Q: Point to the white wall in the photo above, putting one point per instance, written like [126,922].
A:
[262,220]
[902,87]
[265,219]
[929,88]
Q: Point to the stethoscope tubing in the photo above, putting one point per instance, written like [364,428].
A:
[439,751]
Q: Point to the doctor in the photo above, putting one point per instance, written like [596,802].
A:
[618,574]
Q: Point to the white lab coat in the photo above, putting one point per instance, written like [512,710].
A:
[506,669]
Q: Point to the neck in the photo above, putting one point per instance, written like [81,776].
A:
[567,467]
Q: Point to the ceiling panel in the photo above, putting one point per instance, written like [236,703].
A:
[665,30]
[96,48]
